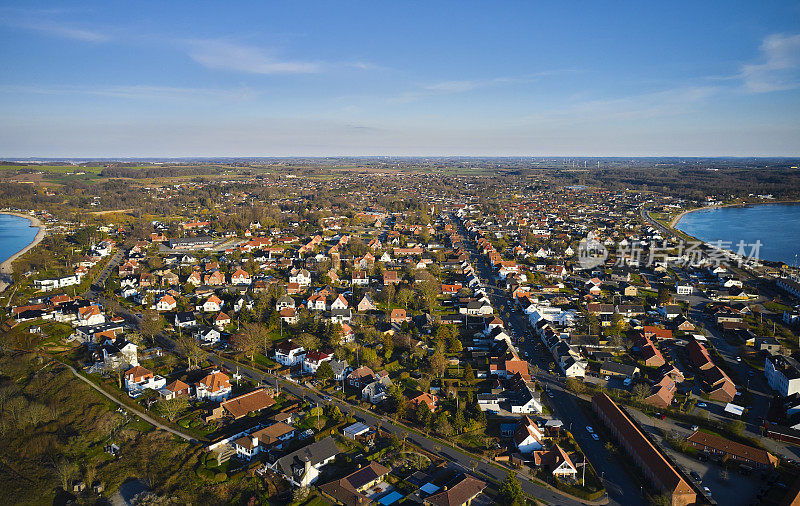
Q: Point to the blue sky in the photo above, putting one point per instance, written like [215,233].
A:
[591,78]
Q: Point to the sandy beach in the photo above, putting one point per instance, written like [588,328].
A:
[6,268]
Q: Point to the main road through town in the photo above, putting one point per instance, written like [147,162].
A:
[621,486]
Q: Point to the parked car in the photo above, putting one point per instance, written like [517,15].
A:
[696,476]
[701,405]
[595,437]
[589,429]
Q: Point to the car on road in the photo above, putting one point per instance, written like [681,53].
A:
[607,378]
[595,437]
[589,429]
[695,427]
[550,394]
[702,405]
[738,359]
[325,398]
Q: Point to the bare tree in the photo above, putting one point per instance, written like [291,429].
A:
[173,408]
[252,336]
[66,470]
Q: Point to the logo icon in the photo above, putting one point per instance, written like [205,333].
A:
[591,252]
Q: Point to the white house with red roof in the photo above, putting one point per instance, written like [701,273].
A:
[221,320]
[138,378]
[340,303]
[166,303]
[216,386]
[212,304]
[240,277]
[90,315]
[528,437]
[288,353]
[314,359]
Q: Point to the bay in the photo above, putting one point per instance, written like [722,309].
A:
[777,226]
[15,233]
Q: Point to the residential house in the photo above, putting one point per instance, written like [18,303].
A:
[556,462]
[352,490]
[302,467]
[175,389]
[288,353]
[662,393]
[302,277]
[340,369]
[360,278]
[313,359]
[251,402]
[528,437]
[459,492]
[137,379]
[185,319]
[215,386]
[366,304]
[212,304]
[728,450]
[90,315]
[419,397]
[240,277]
[398,316]
[275,435]
[783,374]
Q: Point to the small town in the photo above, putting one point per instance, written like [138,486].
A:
[442,253]
[404,338]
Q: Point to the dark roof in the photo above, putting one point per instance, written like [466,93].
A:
[314,453]
[458,491]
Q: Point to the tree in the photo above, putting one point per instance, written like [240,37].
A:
[575,385]
[454,345]
[403,297]
[308,341]
[189,348]
[736,427]
[171,409]
[437,364]
[388,347]
[640,392]
[423,414]
[324,372]
[151,323]
[469,374]
[300,494]
[510,492]
[249,338]
[66,470]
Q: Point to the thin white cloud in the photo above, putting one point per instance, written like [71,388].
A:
[452,87]
[138,92]
[61,30]
[224,55]
[641,106]
[780,66]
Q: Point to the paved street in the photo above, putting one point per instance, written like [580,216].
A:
[621,487]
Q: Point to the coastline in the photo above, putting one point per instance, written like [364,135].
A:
[678,217]
[6,268]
